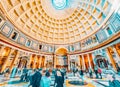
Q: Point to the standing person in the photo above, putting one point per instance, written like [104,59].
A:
[55,75]
[81,75]
[7,71]
[25,70]
[53,71]
[75,70]
[96,71]
[112,81]
[45,80]
[36,78]
[14,71]
[63,74]
[30,74]
[19,72]
[58,79]
[100,72]
[24,74]
[90,73]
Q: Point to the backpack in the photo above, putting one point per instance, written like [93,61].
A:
[99,70]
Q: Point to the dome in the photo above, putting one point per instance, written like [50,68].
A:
[57,21]
[67,35]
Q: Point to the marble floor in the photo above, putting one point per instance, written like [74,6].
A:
[14,82]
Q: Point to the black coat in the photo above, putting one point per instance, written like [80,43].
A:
[36,78]
[62,73]
[114,83]
[81,72]
[59,81]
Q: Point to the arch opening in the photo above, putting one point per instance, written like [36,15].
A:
[61,58]
[100,61]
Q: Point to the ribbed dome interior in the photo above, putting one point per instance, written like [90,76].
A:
[40,20]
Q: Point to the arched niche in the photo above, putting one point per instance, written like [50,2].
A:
[101,61]
[61,58]
[23,61]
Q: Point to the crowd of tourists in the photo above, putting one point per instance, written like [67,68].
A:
[97,71]
[42,78]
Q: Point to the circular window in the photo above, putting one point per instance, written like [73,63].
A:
[59,4]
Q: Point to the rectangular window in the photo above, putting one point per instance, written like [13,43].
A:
[40,47]
[14,35]
[0,20]
[109,31]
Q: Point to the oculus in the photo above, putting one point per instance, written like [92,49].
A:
[59,4]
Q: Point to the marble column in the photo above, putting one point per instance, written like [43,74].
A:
[93,58]
[54,61]
[78,60]
[117,57]
[40,60]
[30,60]
[16,58]
[68,62]
[1,51]
[1,56]
[45,62]
[83,60]
[112,60]
[7,60]
[107,55]
[35,60]
[88,56]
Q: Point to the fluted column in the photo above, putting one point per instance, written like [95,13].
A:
[7,60]
[1,51]
[16,58]
[45,62]
[1,54]
[83,60]
[78,60]
[35,60]
[107,55]
[93,58]
[68,62]
[112,60]
[88,56]
[117,55]
[54,61]
[40,60]
[30,60]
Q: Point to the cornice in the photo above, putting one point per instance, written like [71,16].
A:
[104,43]
[11,43]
